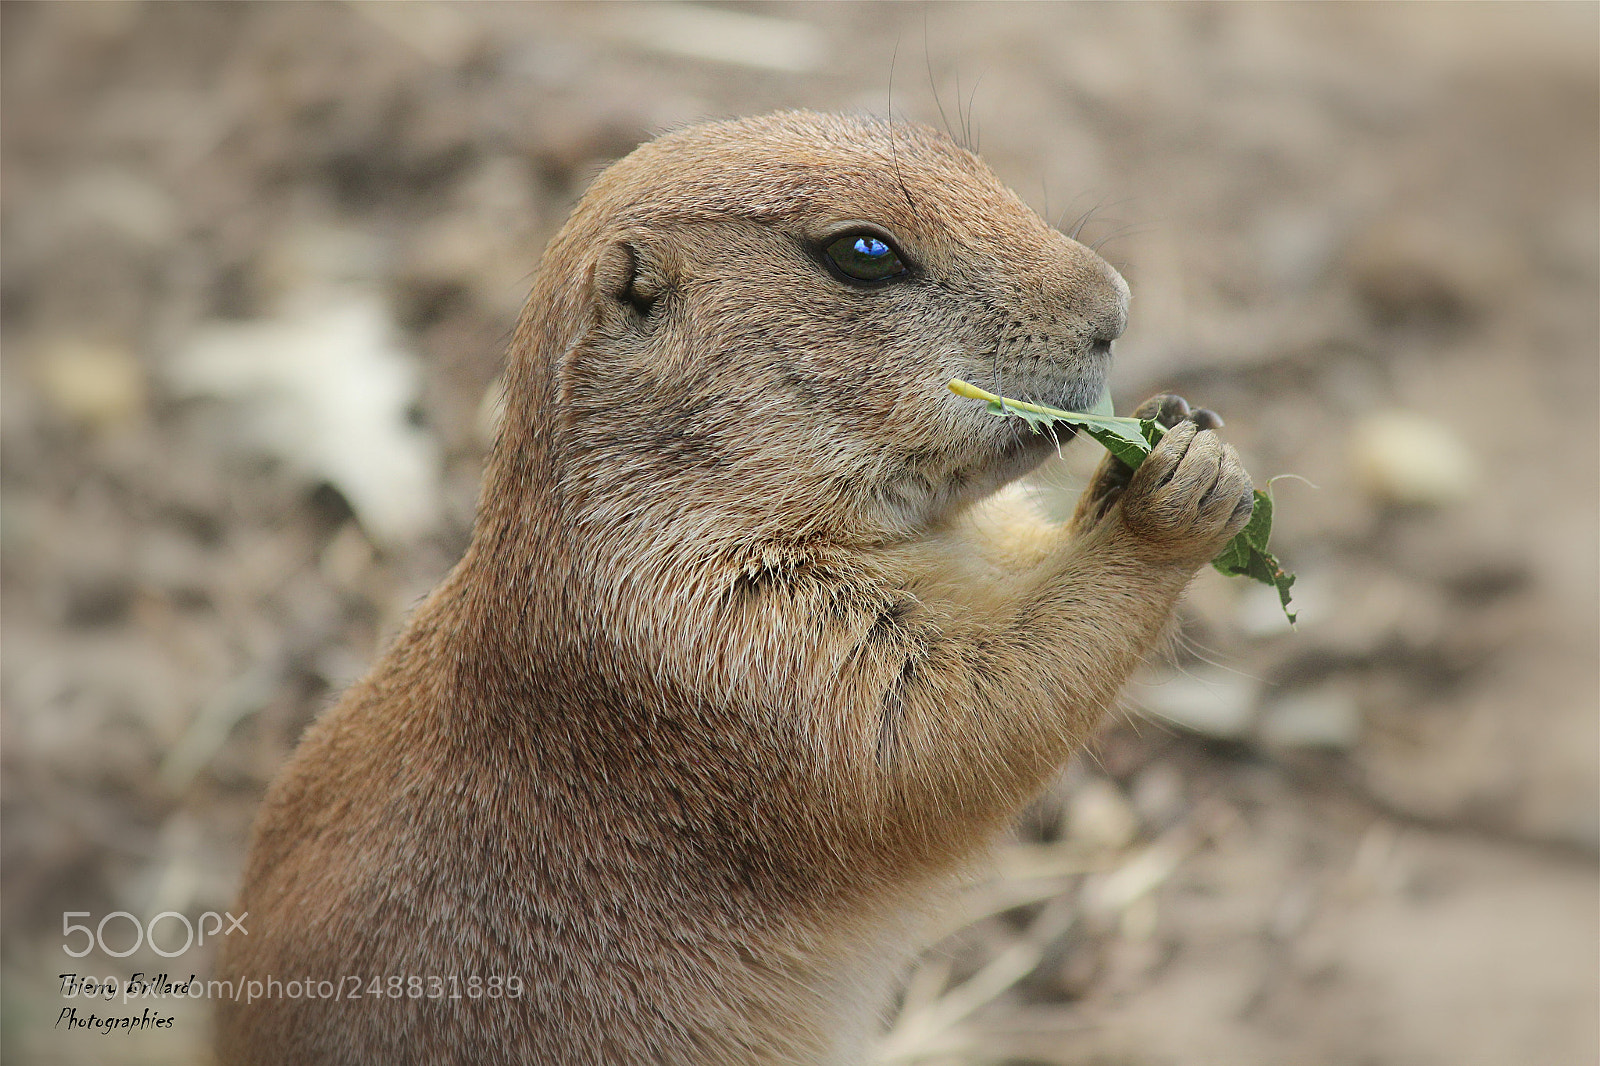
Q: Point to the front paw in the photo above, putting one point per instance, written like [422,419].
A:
[1189,496]
[1112,476]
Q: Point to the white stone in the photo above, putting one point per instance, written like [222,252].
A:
[1408,458]
[1213,702]
[1320,718]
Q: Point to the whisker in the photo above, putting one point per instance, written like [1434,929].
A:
[894,157]
[932,83]
[972,124]
[1083,219]
[1131,230]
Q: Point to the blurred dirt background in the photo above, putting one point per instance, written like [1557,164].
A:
[259,266]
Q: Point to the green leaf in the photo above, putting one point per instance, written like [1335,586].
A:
[1246,554]
[1130,440]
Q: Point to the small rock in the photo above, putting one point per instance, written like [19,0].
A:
[1158,795]
[1213,703]
[100,386]
[1406,458]
[1099,818]
[1323,718]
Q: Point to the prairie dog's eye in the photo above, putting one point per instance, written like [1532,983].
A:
[865,257]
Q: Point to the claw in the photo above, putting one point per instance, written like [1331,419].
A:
[1167,409]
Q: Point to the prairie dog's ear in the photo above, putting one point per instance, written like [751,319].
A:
[627,283]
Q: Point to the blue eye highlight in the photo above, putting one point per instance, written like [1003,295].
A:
[864,257]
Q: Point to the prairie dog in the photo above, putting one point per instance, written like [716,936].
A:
[746,659]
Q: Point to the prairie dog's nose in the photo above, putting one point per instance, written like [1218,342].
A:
[1108,313]
[1124,294]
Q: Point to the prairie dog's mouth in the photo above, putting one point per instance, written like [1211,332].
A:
[1075,386]
[1078,394]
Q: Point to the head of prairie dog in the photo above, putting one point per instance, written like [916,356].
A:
[746,658]
[757,320]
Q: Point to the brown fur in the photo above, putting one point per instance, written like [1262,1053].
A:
[745,659]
